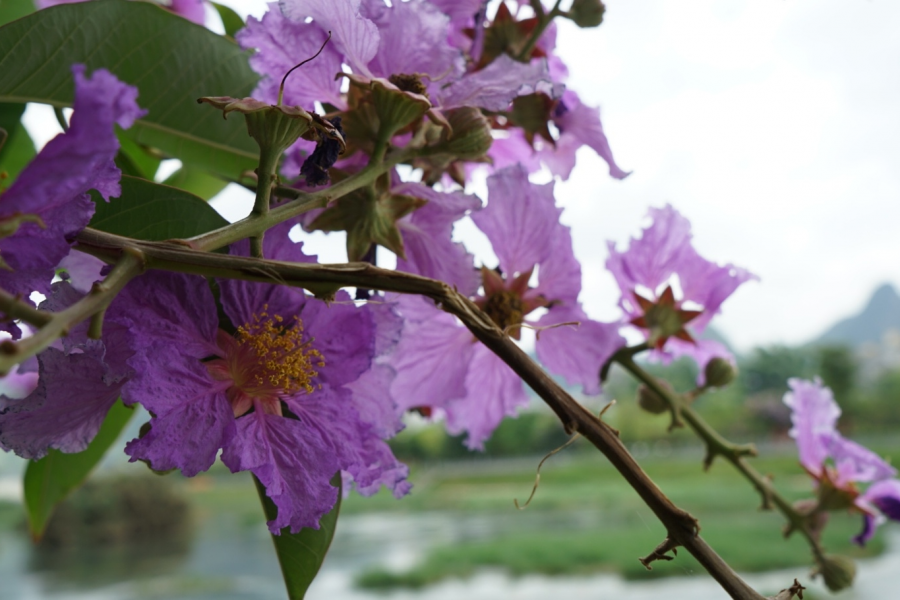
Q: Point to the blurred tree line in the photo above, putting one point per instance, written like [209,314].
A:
[749,409]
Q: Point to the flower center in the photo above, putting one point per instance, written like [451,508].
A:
[266,360]
[282,359]
[505,308]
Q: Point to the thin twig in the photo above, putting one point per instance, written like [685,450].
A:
[736,454]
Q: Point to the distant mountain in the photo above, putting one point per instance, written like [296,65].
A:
[881,314]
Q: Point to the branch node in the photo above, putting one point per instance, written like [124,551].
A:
[795,590]
[660,553]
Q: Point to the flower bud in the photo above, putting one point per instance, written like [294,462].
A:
[837,571]
[650,401]
[470,135]
[719,372]
[587,13]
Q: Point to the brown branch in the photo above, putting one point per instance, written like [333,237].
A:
[681,527]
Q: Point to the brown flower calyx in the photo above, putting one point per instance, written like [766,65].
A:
[409,83]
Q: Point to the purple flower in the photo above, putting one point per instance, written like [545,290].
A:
[78,382]
[192,10]
[54,185]
[439,365]
[380,41]
[646,272]
[276,396]
[838,464]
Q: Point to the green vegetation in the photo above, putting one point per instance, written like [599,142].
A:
[748,544]
[599,525]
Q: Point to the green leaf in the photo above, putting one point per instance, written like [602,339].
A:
[171,60]
[50,479]
[155,212]
[231,21]
[301,554]
[10,10]
[18,149]
[135,160]
[200,183]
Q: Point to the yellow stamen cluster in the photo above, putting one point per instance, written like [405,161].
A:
[283,360]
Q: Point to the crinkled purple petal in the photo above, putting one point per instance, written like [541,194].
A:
[371,396]
[576,352]
[431,359]
[281,44]
[494,392]
[520,219]
[495,86]
[66,408]
[651,259]
[192,419]
[427,237]
[172,313]
[559,275]
[708,284]
[388,323]
[583,122]
[344,334]
[354,35]
[814,415]
[54,185]
[854,462]
[33,253]
[559,157]
[293,459]
[414,40]
[514,149]
[116,347]
[379,468]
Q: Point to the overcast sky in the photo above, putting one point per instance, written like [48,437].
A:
[773,125]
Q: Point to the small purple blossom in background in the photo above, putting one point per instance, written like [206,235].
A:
[55,185]
[647,273]
[439,364]
[275,396]
[838,464]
